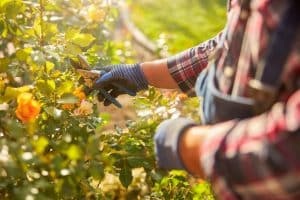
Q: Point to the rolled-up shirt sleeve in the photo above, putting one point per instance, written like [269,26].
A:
[256,158]
[187,65]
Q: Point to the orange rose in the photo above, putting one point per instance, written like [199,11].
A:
[79,93]
[68,106]
[28,108]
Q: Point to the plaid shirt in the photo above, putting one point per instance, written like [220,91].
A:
[260,155]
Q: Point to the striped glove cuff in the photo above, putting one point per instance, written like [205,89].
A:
[133,73]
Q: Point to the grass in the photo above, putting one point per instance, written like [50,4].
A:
[185,23]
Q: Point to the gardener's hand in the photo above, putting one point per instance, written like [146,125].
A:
[166,139]
[121,79]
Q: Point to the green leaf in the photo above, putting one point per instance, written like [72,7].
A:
[51,84]
[96,170]
[41,144]
[13,8]
[49,66]
[136,162]
[133,146]
[157,175]
[82,39]
[37,27]
[142,103]
[22,54]
[2,86]
[68,98]
[3,4]
[50,30]
[202,191]
[125,176]
[92,146]
[15,128]
[12,93]
[54,112]
[46,87]
[74,152]
[72,49]
[4,62]
[65,87]
[2,26]
[38,57]
[70,33]
[105,119]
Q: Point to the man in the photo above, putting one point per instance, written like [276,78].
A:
[249,146]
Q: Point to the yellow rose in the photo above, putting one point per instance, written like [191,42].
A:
[96,14]
[28,108]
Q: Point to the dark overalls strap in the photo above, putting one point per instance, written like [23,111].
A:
[267,81]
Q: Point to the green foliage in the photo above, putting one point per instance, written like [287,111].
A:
[63,152]
[177,186]
[189,23]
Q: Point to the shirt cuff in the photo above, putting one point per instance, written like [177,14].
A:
[186,66]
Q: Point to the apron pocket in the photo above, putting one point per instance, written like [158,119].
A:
[216,106]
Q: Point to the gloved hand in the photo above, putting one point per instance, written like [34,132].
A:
[166,142]
[121,79]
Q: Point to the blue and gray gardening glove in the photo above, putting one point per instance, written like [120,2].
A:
[121,79]
[166,142]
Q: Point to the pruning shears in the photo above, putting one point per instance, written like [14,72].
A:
[90,76]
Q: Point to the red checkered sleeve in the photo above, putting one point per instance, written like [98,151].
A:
[187,65]
[256,158]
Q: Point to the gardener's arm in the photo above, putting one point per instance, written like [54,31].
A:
[187,65]
[259,154]
[157,74]
[179,71]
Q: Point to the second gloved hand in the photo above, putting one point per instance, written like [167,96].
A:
[121,79]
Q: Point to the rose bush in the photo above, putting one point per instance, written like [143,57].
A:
[52,143]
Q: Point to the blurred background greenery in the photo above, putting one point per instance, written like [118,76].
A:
[181,23]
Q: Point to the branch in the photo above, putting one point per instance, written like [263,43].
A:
[136,33]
